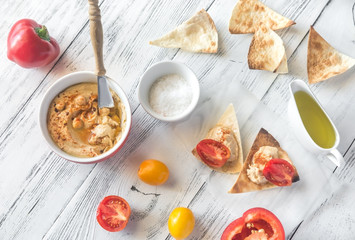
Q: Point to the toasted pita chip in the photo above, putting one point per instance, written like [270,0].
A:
[198,34]
[235,163]
[283,68]
[266,51]
[243,183]
[249,15]
[324,61]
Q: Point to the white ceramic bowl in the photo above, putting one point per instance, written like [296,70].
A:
[158,70]
[65,82]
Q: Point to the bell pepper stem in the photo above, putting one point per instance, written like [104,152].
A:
[42,32]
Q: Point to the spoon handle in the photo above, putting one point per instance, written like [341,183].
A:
[96,36]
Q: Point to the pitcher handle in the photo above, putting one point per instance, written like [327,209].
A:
[335,156]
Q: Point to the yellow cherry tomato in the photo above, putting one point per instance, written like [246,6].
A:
[181,222]
[153,172]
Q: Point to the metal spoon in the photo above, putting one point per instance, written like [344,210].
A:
[105,97]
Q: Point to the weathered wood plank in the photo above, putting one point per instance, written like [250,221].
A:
[346,173]
[289,204]
[336,94]
[335,217]
[230,64]
[172,144]
[78,57]
[150,205]
[64,21]
[128,55]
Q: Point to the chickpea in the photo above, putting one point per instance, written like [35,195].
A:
[104,111]
[80,100]
[60,105]
[94,106]
[93,140]
[107,141]
[93,98]
[116,119]
[91,116]
[77,123]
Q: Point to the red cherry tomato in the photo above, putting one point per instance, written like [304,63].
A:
[279,172]
[213,153]
[113,213]
[255,224]
[29,44]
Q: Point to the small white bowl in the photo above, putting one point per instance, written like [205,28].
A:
[158,70]
[59,86]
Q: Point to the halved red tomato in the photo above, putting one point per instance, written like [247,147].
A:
[213,153]
[255,224]
[279,172]
[113,213]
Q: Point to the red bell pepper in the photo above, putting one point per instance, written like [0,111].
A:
[29,44]
[255,224]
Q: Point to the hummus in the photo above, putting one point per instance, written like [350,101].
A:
[79,127]
[226,136]
[260,158]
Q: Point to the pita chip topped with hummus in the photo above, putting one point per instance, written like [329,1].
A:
[198,34]
[267,52]
[221,149]
[324,61]
[249,15]
[267,166]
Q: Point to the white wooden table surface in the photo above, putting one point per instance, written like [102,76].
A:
[45,196]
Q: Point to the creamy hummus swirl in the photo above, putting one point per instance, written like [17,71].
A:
[260,158]
[79,127]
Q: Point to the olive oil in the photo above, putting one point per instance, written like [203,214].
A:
[315,121]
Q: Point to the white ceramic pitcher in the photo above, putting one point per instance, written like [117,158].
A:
[300,130]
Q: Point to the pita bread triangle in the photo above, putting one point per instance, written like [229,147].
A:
[324,61]
[243,183]
[198,34]
[249,15]
[267,52]
[283,68]
[229,120]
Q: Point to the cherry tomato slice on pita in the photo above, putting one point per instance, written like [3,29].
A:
[113,213]
[279,172]
[255,224]
[213,153]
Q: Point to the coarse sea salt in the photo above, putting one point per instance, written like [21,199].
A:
[170,95]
